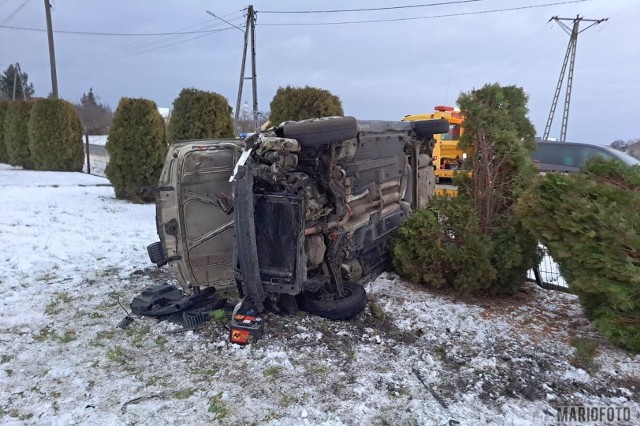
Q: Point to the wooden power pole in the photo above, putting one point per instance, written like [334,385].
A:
[52,53]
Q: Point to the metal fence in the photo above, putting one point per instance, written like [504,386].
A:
[95,159]
[547,275]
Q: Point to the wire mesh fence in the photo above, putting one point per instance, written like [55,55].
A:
[547,274]
[95,160]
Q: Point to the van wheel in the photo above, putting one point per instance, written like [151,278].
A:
[425,128]
[321,132]
[331,307]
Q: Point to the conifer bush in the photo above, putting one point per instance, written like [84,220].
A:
[442,246]
[136,148]
[475,243]
[55,136]
[590,223]
[301,103]
[198,114]
[4,157]
[16,134]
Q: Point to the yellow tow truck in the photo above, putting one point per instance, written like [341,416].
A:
[448,159]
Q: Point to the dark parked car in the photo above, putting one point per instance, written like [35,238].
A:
[551,156]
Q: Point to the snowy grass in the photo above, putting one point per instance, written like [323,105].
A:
[71,252]
[98,164]
[98,139]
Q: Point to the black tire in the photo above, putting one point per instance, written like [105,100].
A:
[424,128]
[333,308]
[321,132]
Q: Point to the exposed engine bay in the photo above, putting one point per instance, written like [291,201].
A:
[316,203]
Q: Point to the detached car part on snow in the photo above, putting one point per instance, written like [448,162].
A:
[314,205]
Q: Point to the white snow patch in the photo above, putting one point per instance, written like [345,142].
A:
[70,251]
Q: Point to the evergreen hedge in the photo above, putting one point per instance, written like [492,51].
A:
[301,103]
[443,247]
[55,136]
[198,114]
[4,157]
[590,223]
[475,243]
[136,148]
[16,134]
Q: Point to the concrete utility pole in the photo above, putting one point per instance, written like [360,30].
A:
[569,58]
[254,83]
[22,85]
[52,53]
[15,80]
[244,61]
[250,26]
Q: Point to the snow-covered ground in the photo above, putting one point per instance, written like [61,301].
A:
[100,140]
[98,164]
[70,251]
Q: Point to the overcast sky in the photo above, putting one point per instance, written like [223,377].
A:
[380,70]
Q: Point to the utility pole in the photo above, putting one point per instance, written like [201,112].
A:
[24,88]
[250,26]
[570,59]
[52,54]
[244,61]
[254,84]
[17,73]
[15,78]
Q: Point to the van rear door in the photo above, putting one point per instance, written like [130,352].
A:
[195,220]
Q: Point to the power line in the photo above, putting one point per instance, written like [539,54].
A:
[519,47]
[529,55]
[105,33]
[135,46]
[413,18]
[149,49]
[8,18]
[142,46]
[139,51]
[224,20]
[371,9]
